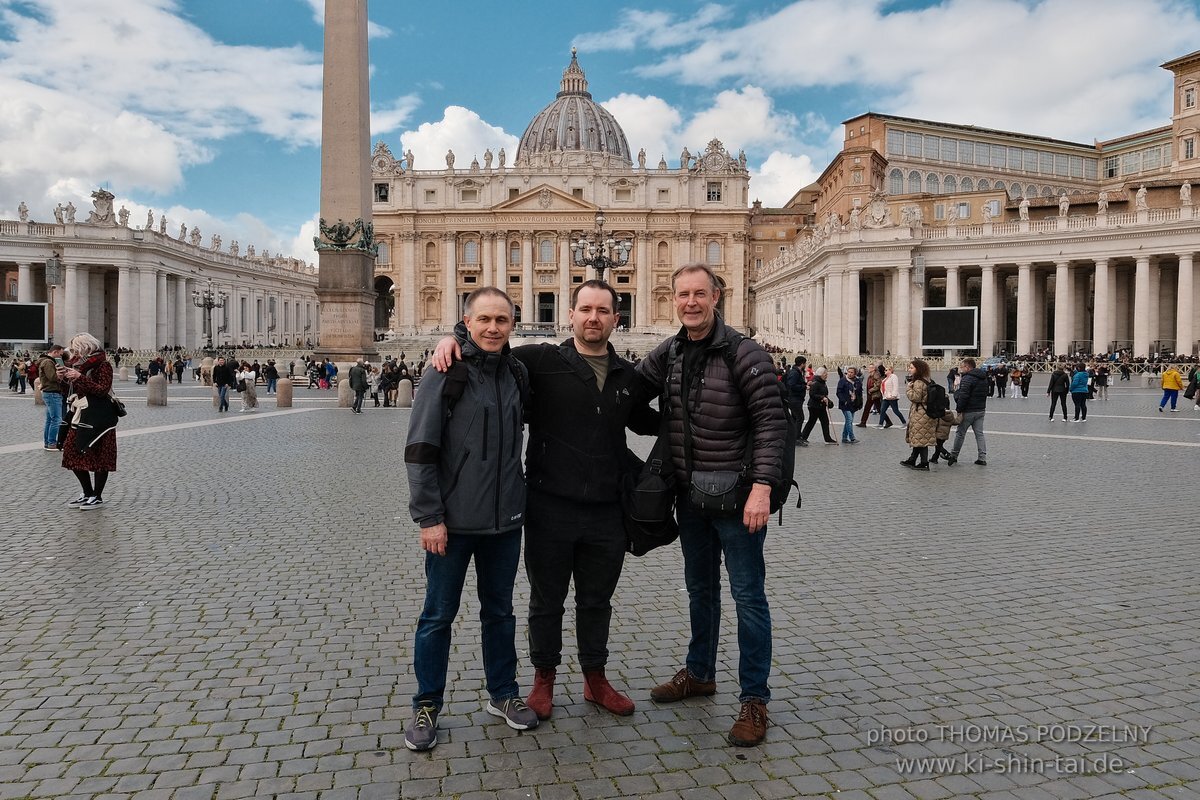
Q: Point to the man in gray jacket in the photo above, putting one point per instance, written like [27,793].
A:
[468,496]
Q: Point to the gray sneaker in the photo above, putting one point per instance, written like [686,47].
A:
[421,733]
[514,712]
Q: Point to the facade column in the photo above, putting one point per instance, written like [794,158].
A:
[125,315]
[528,311]
[162,327]
[1155,297]
[488,251]
[987,311]
[564,277]
[148,310]
[1064,312]
[641,313]
[818,318]
[83,296]
[1101,331]
[904,293]
[24,283]
[852,303]
[181,306]
[953,287]
[408,283]
[70,303]
[1024,308]
[835,321]
[1141,307]
[189,314]
[1184,311]
[450,313]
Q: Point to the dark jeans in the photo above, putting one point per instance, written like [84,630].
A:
[1080,401]
[797,407]
[54,414]
[565,540]
[705,540]
[358,400]
[496,558]
[223,397]
[817,414]
[272,383]
[1055,399]
[894,405]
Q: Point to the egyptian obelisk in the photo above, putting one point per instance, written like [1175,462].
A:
[345,244]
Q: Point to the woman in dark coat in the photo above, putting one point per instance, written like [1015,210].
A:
[818,407]
[91,444]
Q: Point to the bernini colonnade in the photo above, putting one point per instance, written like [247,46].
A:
[1072,284]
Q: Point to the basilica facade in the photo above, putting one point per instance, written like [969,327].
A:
[1064,247]
[446,231]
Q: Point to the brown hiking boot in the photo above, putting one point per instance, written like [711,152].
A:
[541,696]
[751,726]
[681,686]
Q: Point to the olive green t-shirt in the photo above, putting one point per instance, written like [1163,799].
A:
[599,365]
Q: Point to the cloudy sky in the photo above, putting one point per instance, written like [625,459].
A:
[210,109]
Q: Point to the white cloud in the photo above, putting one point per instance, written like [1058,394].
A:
[374,29]
[996,63]
[653,29]
[387,117]
[780,177]
[746,116]
[460,130]
[649,122]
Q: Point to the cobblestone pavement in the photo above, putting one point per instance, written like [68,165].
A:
[237,621]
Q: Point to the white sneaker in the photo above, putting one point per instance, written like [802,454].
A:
[90,503]
[78,500]
[1174,410]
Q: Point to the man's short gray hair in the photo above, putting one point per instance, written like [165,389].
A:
[821,372]
[485,291]
[697,266]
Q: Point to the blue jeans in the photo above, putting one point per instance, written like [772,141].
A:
[847,425]
[54,414]
[1169,394]
[974,421]
[496,559]
[223,396]
[895,406]
[705,539]
[271,385]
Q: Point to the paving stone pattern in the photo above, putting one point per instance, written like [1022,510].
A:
[237,622]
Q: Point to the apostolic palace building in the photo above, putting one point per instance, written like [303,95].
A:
[1064,247]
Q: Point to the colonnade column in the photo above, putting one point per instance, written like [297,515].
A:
[24,283]
[162,326]
[1184,312]
[1064,312]
[1025,307]
[1154,296]
[987,311]
[449,279]
[953,292]
[125,316]
[641,315]
[1141,307]
[528,312]
[147,309]
[835,318]
[904,292]
[1101,332]
[181,311]
[190,313]
[83,311]
[818,320]
[70,303]
[852,305]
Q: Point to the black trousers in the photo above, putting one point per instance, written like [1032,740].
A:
[564,540]
[1055,399]
[797,407]
[817,414]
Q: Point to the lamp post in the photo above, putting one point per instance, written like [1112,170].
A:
[53,279]
[600,252]
[208,299]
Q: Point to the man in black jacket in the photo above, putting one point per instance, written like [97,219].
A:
[726,418]
[222,376]
[582,398]
[970,400]
[797,386]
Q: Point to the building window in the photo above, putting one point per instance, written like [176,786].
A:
[949,149]
[514,253]
[757,265]
[1000,186]
[579,279]
[1189,97]
[514,278]
[1046,163]
[994,206]
[381,193]
[1030,160]
[912,145]
[577,193]
[966,152]
[620,279]
[950,185]
[470,195]
[895,142]
[468,279]
[982,153]
[514,194]
[896,182]
[1076,166]
[968,185]
[1189,147]
[383,256]
[932,183]
[471,252]
[664,196]
[431,195]
[932,147]
[914,182]
[714,191]
[984,184]
[623,194]
[964,210]
[545,251]
[713,253]
[939,211]
[1131,163]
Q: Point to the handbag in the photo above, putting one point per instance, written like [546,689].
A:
[117,404]
[648,495]
[717,491]
[241,385]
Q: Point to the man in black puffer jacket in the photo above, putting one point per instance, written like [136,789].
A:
[970,400]
[735,422]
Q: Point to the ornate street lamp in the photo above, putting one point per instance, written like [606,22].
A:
[53,280]
[600,252]
[209,299]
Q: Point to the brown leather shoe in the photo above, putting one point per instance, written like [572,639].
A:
[681,686]
[751,726]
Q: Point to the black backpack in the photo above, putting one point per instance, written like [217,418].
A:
[780,491]
[937,402]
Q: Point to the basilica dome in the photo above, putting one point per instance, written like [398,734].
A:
[574,123]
